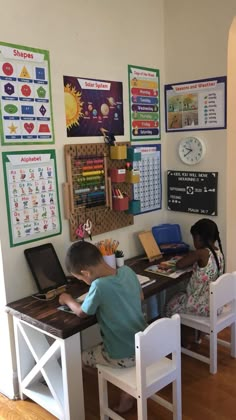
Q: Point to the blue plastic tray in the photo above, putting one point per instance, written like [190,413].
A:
[169,239]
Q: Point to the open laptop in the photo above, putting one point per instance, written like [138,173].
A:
[46,268]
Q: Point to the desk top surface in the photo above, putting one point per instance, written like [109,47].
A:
[46,316]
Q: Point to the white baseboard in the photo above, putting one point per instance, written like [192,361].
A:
[10,388]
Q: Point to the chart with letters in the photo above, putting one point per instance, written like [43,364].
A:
[192,192]
[31,195]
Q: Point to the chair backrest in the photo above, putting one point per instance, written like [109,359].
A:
[222,291]
[159,339]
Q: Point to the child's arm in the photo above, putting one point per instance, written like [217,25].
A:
[199,255]
[67,299]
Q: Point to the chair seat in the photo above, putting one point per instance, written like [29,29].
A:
[162,368]
[204,321]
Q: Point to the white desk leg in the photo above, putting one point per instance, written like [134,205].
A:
[72,378]
[50,370]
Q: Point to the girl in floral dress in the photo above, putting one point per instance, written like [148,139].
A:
[208,264]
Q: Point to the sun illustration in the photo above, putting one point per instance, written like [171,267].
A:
[73,106]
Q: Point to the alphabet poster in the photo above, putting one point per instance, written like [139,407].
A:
[144,103]
[32,195]
[25,96]
[196,105]
[92,105]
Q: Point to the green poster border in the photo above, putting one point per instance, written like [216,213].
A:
[5,160]
[157,71]
[46,57]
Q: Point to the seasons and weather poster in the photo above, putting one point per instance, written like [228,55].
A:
[31,189]
[25,96]
[144,103]
[196,105]
[92,105]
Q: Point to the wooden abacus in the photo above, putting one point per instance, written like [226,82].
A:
[88,190]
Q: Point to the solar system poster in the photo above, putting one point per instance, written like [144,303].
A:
[144,103]
[92,105]
[25,96]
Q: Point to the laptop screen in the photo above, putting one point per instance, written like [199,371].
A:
[45,266]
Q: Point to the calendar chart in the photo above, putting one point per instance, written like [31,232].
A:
[148,190]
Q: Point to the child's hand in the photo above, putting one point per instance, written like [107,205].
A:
[64,298]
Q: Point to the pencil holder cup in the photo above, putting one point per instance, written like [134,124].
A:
[134,207]
[118,152]
[117,175]
[132,177]
[120,204]
[133,155]
[120,261]
[110,260]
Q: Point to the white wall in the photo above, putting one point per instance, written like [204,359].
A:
[196,37]
[186,40]
[88,39]
[231,151]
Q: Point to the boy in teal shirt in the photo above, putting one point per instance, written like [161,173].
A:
[115,297]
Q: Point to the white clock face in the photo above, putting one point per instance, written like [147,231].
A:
[191,150]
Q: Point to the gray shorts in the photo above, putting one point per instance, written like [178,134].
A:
[97,355]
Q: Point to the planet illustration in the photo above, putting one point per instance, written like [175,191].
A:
[104,109]
[111,101]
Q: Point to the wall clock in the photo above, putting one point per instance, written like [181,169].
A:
[191,150]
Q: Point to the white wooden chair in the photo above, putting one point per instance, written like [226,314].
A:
[222,293]
[153,370]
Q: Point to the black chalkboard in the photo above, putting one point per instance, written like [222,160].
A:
[192,192]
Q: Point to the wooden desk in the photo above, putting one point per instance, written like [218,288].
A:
[139,264]
[48,347]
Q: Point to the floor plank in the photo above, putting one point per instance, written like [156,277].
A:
[205,396]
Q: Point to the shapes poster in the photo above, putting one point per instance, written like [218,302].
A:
[25,96]
[144,100]
[91,105]
[148,190]
[32,195]
[196,105]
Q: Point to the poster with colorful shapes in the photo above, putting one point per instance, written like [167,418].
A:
[196,105]
[144,102]
[31,189]
[25,96]
[92,105]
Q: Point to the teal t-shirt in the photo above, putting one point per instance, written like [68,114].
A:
[117,304]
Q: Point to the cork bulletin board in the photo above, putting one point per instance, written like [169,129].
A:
[80,203]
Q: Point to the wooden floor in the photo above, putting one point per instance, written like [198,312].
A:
[205,396]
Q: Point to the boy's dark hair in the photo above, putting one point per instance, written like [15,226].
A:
[208,232]
[81,255]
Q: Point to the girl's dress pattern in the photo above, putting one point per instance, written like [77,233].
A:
[196,298]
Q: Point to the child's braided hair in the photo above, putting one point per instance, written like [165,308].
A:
[208,232]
